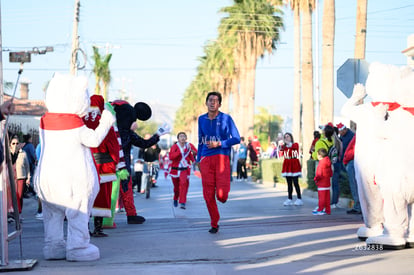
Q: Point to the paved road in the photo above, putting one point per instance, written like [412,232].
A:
[258,235]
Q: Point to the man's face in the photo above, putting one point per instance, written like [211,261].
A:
[213,103]
[342,132]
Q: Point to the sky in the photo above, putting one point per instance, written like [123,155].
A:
[156,44]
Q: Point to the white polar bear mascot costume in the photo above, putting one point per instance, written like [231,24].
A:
[66,179]
[395,170]
[379,87]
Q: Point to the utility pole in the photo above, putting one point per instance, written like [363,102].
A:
[75,39]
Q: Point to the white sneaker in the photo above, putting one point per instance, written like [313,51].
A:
[298,202]
[39,216]
[333,206]
[288,202]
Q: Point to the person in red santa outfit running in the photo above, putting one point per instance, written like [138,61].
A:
[182,155]
[106,157]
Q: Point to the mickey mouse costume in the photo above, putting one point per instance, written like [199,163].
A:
[125,116]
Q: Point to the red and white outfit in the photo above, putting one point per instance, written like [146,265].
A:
[181,158]
[291,164]
[106,157]
[323,181]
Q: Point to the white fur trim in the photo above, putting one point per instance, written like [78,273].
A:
[289,174]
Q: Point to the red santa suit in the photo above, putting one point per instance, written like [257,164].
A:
[106,157]
[291,164]
[323,181]
[181,158]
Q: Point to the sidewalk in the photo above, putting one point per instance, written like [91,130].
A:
[258,235]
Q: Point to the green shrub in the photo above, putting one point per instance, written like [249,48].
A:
[311,175]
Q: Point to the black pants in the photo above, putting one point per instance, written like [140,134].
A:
[293,181]
[241,169]
[138,179]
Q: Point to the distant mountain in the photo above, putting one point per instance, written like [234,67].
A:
[163,113]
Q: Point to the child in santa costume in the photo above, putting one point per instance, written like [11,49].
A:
[182,155]
[66,179]
[323,181]
[106,158]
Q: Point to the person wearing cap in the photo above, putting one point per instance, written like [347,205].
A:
[345,135]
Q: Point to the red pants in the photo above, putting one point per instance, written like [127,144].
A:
[215,177]
[128,199]
[324,201]
[19,193]
[181,184]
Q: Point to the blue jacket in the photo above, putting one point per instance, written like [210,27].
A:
[242,151]
[221,128]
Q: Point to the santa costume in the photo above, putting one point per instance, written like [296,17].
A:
[106,158]
[181,158]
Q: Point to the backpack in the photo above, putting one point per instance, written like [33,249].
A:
[332,152]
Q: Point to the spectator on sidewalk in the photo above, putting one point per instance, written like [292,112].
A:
[323,181]
[291,169]
[349,166]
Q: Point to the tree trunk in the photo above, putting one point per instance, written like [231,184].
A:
[361,29]
[328,36]
[296,123]
[308,114]
[251,57]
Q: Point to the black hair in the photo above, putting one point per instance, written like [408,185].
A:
[316,134]
[26,138]
[322,152]
[180,133]
[241,138]
[329,131]
[214,93]
[291,137]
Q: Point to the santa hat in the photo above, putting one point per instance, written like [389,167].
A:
[340,126]
[97,101]
[322,127]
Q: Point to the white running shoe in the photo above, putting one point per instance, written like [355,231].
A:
[288,202]
[298,202]
[39,216]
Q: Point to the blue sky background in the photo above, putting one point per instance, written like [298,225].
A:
[156,44]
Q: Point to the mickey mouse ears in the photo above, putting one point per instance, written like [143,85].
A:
[143,111]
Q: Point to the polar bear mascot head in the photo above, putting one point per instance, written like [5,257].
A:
[68,94]
[381,82]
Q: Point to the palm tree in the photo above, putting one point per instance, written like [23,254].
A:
[296,127]
[256,27]
[328,37]
[361,29]
[308,117]
[102,72]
